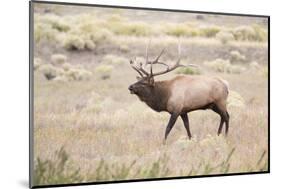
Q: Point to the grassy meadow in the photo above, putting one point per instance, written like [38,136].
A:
[89,128]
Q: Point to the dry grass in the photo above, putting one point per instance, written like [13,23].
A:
[108,134]
[99,120]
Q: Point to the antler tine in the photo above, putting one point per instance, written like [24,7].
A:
[143,70]
[176,65]
[161,63]
[156,61]
[139,70]
[146,52]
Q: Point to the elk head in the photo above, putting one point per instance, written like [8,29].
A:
[145,79]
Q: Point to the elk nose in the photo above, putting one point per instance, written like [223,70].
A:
[130,87]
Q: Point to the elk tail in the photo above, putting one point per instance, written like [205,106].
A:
[225,83]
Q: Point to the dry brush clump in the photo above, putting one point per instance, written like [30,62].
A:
[104,71]
[37,63]
[86,36]
[58,59]
[181,30]
[49,27]
[225,37]
[131,28]
[50,71]
[250,33]
[60,70]
[222,65]
[209,31]
[234,99]
[236,56]
[77,74]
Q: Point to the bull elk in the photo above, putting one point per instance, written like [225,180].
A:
[180,95]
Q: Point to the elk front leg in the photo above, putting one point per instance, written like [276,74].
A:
[220,126]
[170,125]
[185,120]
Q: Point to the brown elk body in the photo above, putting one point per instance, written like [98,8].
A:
[181,95]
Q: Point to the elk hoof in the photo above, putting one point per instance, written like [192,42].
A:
[164,142]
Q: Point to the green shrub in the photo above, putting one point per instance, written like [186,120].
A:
[58,59]
[131,28]
[112,171]
[56,22]
[235,100]
[50,71]
[89,44]
[189,71]
[86,36]
[218,65]
[74,42]
[56,171]
[261,33]
[45,32]
[157,169]
[224,37]
[236,56]
[244,33]
[250,33]
[124,48]
[264,72]
[66,66]
[101,35]
[235,69]
[76,74]
[104,71]
[209,31]
[60,169]
[115,18]
[37,63]
[179,30]
[49,27]
[221,65]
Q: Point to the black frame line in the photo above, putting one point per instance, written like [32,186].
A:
[31,94]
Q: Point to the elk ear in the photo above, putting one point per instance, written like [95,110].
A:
[151,81]
[138,78]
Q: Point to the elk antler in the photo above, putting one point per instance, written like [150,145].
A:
[176,65]
[135,68]
[140,69]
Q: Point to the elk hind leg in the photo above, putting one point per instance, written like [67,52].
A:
[219,109]
[185,120]
[227,123]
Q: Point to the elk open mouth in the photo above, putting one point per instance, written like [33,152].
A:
[131,90]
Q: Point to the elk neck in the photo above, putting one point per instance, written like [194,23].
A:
[157,97]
